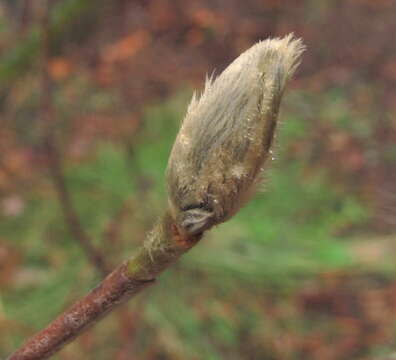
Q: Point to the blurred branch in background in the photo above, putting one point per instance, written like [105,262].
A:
[48,125]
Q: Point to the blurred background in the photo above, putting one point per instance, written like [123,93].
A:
[91,96]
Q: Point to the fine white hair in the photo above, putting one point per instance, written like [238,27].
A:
[229,126]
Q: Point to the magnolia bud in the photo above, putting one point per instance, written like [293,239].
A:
[226,136]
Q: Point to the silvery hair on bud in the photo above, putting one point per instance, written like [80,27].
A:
[226,135]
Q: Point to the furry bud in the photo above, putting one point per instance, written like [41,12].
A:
[226,135]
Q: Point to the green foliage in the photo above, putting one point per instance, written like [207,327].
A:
[286,232]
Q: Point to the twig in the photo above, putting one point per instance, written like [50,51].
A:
[54,160]
[215,164]
[118,287]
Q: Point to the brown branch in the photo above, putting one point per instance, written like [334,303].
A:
[123,283]
[54,160]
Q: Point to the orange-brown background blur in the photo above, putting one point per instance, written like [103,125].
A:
[91,95]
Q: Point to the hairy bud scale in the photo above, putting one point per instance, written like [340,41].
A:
[226,135]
